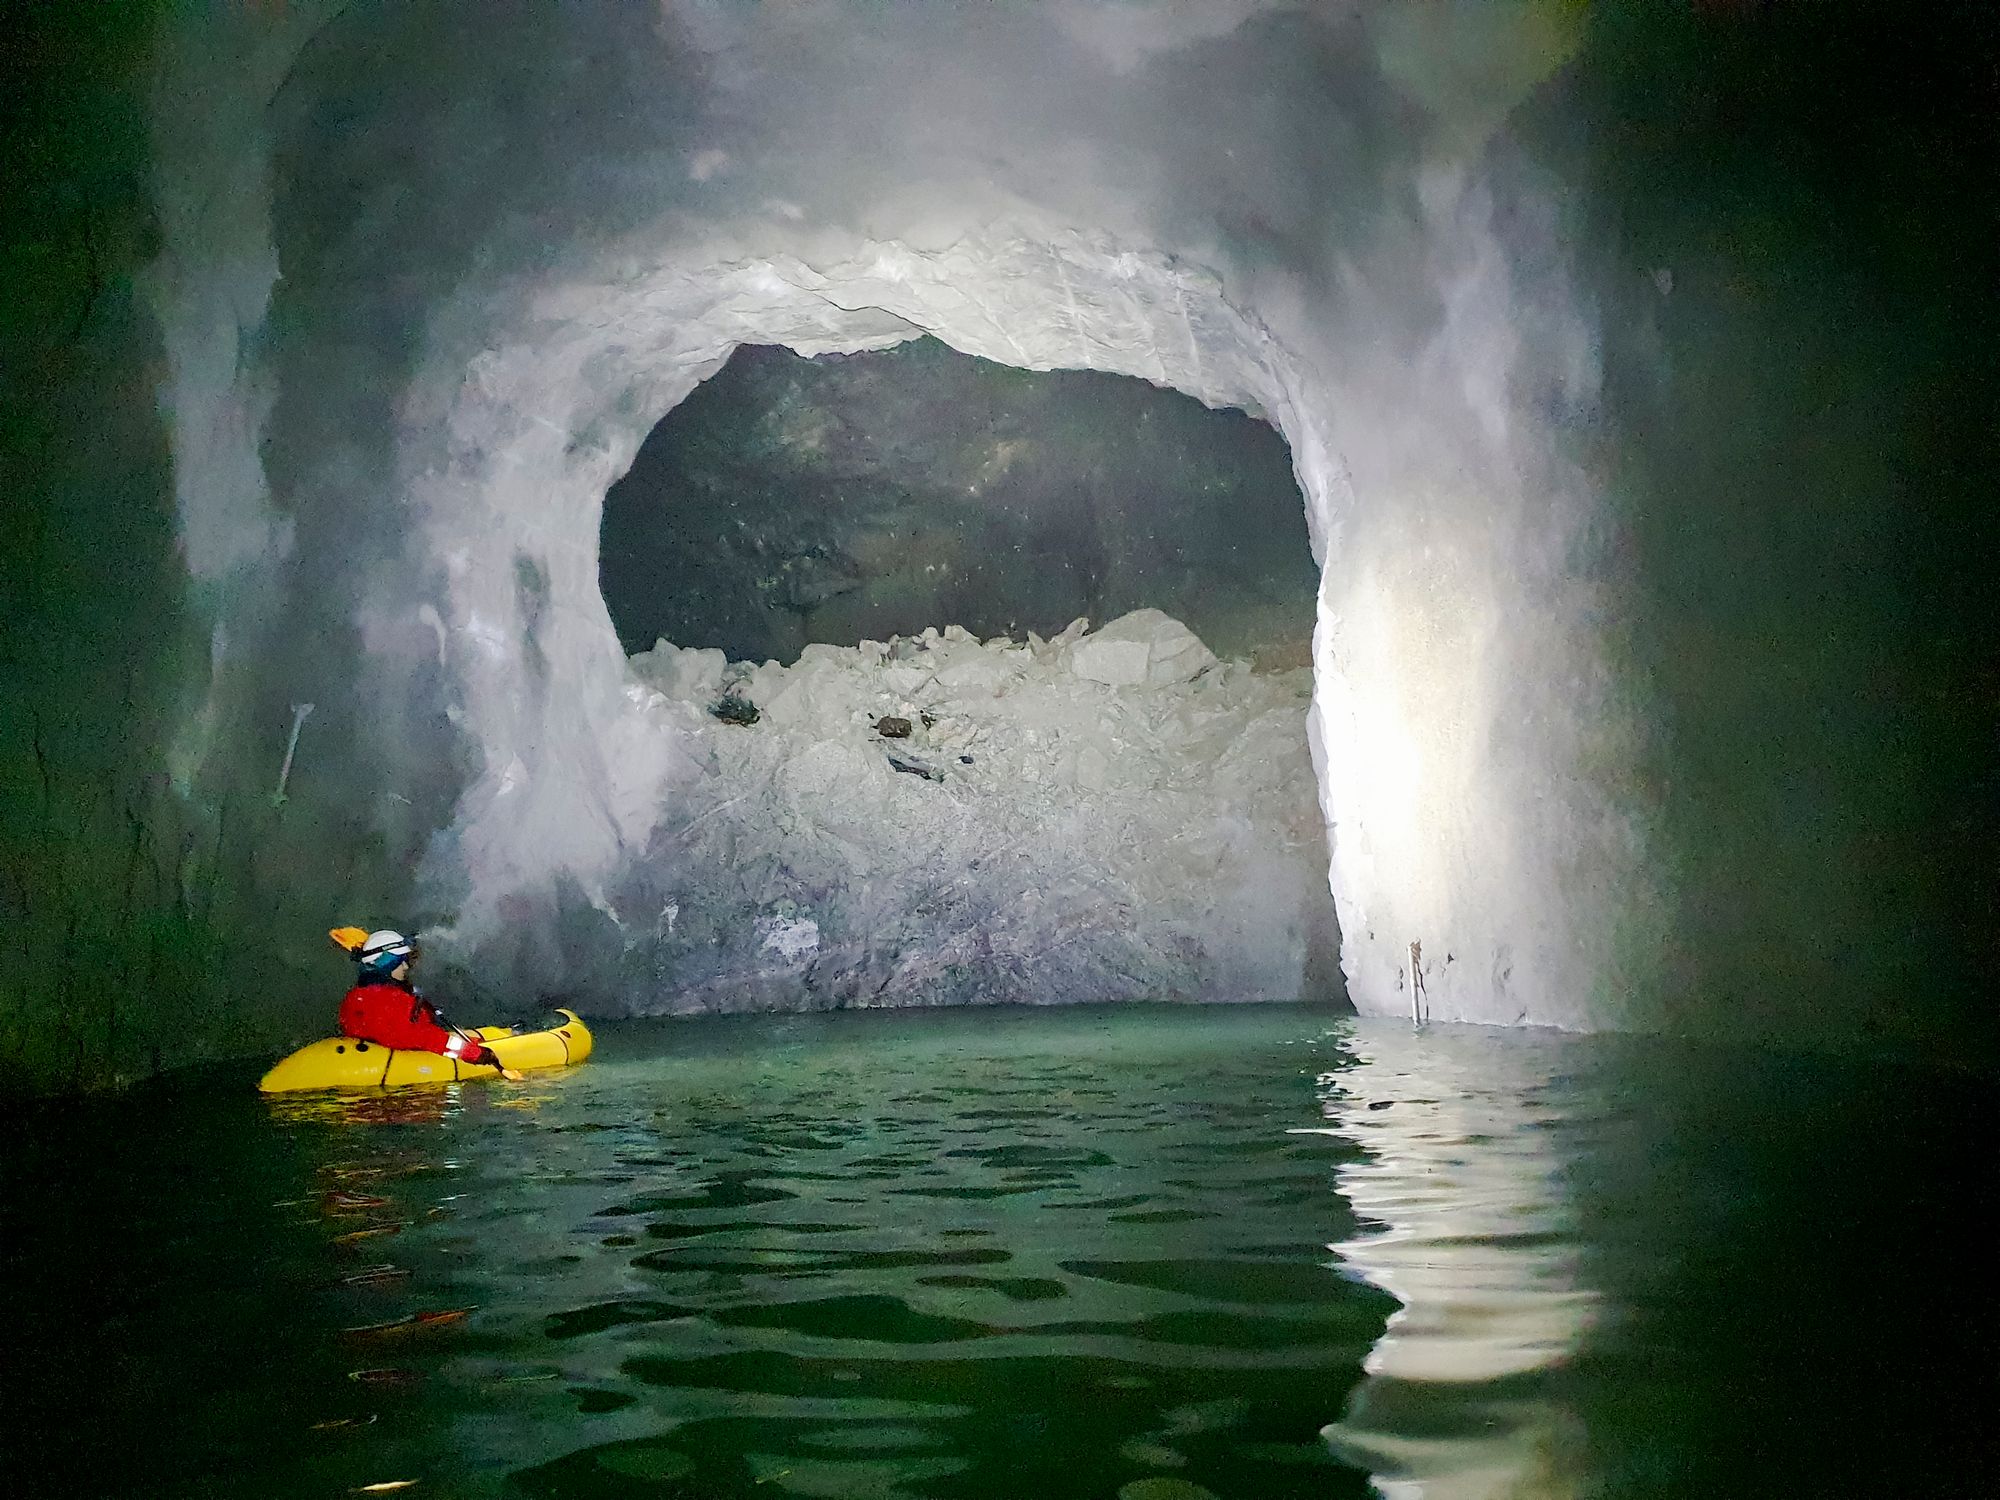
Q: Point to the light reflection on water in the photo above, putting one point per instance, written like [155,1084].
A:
[1475,1239]
[1149,1253]
[953,1255]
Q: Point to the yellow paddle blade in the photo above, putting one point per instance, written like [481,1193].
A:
[349,938]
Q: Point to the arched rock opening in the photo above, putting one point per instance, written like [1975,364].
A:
[894,808]
[395,499]
[791,501]
[596,809]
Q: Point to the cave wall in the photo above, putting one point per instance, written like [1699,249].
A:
[482,310]
[1623,738]
[114,891]
[498,275]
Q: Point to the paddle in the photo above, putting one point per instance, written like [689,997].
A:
[512,1075]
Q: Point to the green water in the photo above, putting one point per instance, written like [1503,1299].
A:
[1146,1252]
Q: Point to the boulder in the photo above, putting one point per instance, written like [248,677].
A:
[686,675]
[977,675]
[1145,646]
[1114,663]
[791,704]
[732,708]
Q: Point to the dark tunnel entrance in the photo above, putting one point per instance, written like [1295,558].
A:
[857,497]
[854,590]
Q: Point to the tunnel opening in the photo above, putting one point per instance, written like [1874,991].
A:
[995,684]
[792,500]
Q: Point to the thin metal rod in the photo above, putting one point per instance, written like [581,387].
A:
[299,712]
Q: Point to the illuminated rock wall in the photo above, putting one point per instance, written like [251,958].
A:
[502,257]
[940,820]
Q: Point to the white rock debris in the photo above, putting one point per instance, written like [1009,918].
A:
[1103,815]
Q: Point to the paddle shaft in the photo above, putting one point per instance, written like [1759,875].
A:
[481,1046]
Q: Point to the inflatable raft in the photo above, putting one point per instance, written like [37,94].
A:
[341,1062]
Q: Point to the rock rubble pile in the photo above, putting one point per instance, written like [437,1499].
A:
[937,820]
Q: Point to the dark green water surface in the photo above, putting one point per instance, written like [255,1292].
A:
[1151,1253]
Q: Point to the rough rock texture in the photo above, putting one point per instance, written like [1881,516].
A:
[1042,832]
[509,249]
[854,497]
[1661,699]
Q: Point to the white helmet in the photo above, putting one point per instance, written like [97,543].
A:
[382,951]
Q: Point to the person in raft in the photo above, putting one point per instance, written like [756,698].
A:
[385,1009]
